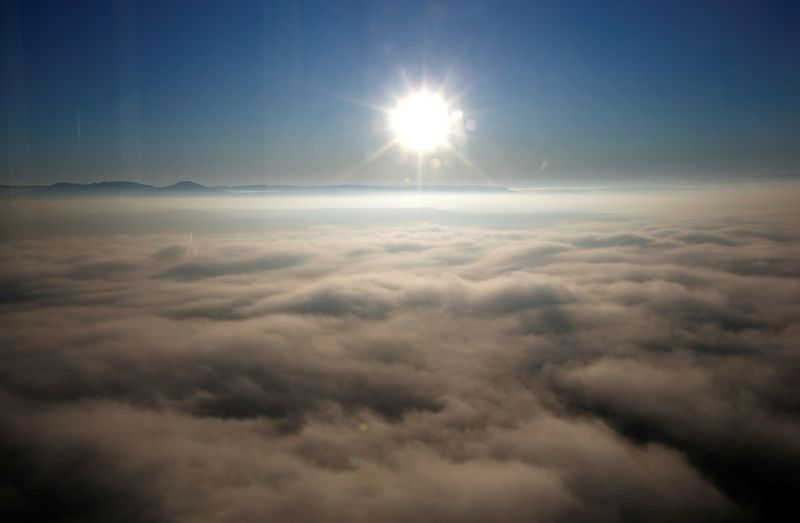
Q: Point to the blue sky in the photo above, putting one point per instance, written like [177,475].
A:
[262,92]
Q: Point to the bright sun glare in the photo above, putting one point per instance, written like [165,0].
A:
[430,125]
[421,122]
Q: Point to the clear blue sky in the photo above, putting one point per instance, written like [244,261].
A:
[257,92]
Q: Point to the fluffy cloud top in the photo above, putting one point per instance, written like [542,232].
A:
[583,369]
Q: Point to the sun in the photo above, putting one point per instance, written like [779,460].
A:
[421,121]
[426,123]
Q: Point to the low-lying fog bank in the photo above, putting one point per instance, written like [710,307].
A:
[512,357]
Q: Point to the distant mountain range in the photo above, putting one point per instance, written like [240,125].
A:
[194,189]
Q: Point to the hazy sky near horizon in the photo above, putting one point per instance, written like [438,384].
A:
[277,92]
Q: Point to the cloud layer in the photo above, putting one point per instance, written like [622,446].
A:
[584,370]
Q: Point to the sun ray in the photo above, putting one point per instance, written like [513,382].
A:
[377,153]
[423,119]
[420,159]
[466,161]
[355,101]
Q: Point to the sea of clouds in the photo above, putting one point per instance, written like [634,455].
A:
[203,364]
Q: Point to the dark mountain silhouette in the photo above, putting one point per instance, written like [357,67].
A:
[192,188]
[188,187]
[96,187]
